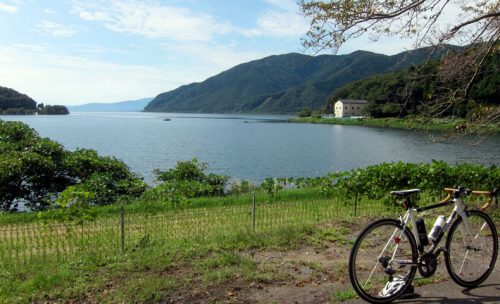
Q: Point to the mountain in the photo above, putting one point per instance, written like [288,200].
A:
[399,94]
[281,83]
[13,102]
[123,106]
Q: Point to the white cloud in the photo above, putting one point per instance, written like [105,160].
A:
[282,24]
[214,58]
[287,5]
[52,76]
[152,20]
[94,16]
[31,47]
[8,8]
[59,78]
[55,29]
[282,21]
[49,11]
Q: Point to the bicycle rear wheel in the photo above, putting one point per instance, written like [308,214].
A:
[471,258]
[383,261]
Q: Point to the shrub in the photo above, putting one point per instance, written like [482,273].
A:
[306,112]
[36,170]
[378,180]
[186,180]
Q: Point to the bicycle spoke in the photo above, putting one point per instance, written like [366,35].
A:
[472,251]
[467,252]
[390,244]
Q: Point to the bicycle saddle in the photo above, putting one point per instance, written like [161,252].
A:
[405,193]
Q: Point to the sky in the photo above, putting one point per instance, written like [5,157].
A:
[80,51]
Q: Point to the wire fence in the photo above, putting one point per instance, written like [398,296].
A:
[40,241]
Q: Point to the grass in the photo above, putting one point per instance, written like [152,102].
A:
[137,207]
[50,260]
[27,235]
[170,254]
[426,281]
[343,295]
[145,274]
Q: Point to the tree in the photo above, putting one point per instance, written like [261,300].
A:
[36,170]
[53,110]
[189,170]
[306,112]
[190,180]
[13,102]
[333,23]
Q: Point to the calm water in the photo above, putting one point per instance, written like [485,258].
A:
[249,147]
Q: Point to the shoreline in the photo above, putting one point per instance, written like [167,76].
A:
[435,124]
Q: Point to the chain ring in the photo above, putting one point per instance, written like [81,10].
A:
[428,265]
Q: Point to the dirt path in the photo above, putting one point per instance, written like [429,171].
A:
[321,276]
[317,272]
[328,284]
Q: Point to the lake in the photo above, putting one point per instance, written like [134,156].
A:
[250,146]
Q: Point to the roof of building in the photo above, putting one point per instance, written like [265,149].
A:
[353,101]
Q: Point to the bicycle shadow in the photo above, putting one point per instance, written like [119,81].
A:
[488,293]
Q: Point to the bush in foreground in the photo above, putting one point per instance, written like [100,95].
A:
[35,170]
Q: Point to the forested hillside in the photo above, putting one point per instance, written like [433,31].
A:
[282,83]
[408,91]
[13,102]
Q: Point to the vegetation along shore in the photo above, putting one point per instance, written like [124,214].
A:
[14,103]
[436,124]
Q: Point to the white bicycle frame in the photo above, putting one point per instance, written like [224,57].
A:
[411,215]
[459,209]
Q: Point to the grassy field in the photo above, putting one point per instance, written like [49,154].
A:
[210,251]
[48,260]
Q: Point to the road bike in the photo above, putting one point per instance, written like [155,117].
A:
[388,252]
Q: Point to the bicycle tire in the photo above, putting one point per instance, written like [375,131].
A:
[382,233]
[474,265]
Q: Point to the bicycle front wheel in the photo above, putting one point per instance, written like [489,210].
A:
[471,256]
[383,261]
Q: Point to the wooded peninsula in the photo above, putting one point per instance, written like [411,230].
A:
[14,103]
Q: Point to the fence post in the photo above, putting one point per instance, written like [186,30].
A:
[356,204]
[253,212]
[122,227]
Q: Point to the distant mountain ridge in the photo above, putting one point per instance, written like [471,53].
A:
[122,106]
[282,83]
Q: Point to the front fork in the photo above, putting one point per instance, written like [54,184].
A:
[465,229]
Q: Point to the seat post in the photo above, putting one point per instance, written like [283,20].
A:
[407,203]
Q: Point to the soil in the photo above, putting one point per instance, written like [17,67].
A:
[315,271]
[311,274]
